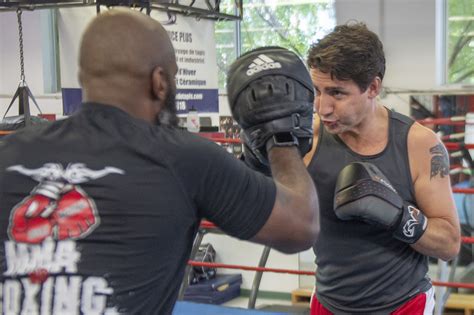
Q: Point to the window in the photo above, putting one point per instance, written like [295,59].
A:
[460,42]
[293,24]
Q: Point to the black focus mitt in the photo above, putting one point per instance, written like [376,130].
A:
[271,97]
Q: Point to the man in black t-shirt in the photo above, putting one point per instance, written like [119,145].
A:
[99,211]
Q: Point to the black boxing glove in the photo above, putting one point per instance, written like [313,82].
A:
[271,97]
[364,193]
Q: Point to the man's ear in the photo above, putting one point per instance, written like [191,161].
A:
[160,85]
[374,87]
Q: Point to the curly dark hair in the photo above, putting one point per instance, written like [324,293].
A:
[349,52]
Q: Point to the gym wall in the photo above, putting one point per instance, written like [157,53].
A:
[33,41]
[408,31]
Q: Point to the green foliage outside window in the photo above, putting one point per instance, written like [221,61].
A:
[460,48]
[293,24]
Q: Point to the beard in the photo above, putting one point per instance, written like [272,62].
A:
[168,115]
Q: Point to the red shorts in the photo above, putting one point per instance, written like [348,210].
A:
[421,304]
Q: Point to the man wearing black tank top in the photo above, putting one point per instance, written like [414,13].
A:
[383,180]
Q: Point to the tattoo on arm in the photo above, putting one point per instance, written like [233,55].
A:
[439,161]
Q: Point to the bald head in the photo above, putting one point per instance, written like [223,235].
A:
[124,42]
[127,59]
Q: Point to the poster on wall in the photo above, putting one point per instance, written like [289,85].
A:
[194,43]
[195,49]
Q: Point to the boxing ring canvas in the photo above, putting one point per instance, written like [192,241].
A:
[186,308]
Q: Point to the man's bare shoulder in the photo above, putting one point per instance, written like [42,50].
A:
[421,138]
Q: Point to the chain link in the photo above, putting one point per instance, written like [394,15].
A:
[20,36]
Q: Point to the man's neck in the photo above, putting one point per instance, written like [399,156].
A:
[134,106]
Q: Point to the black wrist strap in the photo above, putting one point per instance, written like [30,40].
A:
[412,225]
[283,139]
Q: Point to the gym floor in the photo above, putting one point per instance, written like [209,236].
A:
[243,302]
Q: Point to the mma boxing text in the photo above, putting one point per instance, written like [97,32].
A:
[71,295]
[60,291]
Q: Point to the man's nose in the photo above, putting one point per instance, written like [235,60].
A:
[323,105]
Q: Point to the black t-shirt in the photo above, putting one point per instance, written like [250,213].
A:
[99,212]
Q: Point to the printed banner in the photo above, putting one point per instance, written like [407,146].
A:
[195,49]
[194,43]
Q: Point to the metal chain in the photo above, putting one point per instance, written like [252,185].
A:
[20,35]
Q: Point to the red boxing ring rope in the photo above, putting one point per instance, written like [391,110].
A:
[452,121]
[305,273]
[463,190]
[457,145]
[249,268]
[207,225]
[467,240]
[226,140]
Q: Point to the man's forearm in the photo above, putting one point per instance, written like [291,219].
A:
[440,240]
[289,171]
[296,193]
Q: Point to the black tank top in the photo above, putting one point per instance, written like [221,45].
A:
[361,268]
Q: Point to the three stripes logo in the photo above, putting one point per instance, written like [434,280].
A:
[261,63]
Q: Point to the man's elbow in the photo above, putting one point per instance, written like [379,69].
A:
[453,248]
[312,237]
[310,227]
[304,239]
[312,230]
